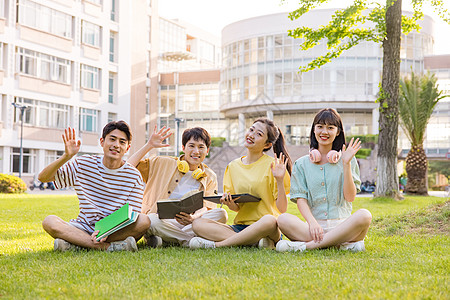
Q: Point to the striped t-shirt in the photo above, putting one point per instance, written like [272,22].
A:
[100,190]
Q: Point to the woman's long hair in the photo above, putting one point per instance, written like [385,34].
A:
[328,116]
[276,137]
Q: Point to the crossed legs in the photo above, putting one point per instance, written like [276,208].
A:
[58,228]
[352,229]
[224,236]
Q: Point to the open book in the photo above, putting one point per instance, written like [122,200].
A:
[189,203]
[238,198]
[119,219]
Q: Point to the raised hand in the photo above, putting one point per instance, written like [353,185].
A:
[278,166]
[348,152]
[71,144]
[157,137]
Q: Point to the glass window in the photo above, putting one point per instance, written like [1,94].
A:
[111,88]
[44,18]
[89,77]
[111,46]
[112,117]
[44,66]
[42,113]
[113,10]
[28,159]
[88,120]
[91,34]
[51,156]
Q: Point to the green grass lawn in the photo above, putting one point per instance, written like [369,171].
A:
[401,260]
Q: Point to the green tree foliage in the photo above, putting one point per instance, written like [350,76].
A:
[418,97]
[373,22]
[441,167]
[361,21]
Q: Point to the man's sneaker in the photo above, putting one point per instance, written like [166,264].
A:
[62,245]
[153,241]
[128,244]
[266,243]
[198,242]
[290,246]
[353,247]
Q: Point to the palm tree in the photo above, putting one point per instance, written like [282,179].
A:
[418,97]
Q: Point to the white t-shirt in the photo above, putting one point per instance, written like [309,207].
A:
[100,190]
[187,183]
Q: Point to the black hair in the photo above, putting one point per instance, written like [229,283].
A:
[328,116]
[276,137]
[120,125]
[197,133]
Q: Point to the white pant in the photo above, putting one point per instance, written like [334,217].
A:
[173,232]
[327,225]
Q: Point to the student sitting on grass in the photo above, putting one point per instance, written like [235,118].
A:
[172,177]
[103,184]
[324,184]
[257,174]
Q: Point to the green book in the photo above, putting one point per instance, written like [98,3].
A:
[119,219]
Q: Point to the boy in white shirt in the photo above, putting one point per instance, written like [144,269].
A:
[171,178]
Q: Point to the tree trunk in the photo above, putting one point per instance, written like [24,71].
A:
[387,178]
[416,168]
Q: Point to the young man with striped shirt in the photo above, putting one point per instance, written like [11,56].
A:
[103,184]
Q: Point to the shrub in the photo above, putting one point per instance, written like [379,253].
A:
[11,184]
[217,141]
[368,140]
[363,153]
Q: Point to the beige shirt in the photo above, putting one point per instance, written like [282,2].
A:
[161,175]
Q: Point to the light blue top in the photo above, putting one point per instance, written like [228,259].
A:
[323,187]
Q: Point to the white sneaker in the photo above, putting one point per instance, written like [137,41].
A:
[353,247]
[290,246]
[128,244]
[198,242]
[63,245]
[153,241]
[266,243]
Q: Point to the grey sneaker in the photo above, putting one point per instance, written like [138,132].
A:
[62,245]
[353,247]
[290,246]
[266,243]
[198,242]
[128,244]
[153,241]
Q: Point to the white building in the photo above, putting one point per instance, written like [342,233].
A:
[63,60]
[261,75]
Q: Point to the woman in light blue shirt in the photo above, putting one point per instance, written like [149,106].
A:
[324,185]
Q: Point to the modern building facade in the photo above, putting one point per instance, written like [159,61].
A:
[68,62]
[82,63]
[189,77]
[261,75]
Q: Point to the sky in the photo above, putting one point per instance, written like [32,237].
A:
[214,15]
